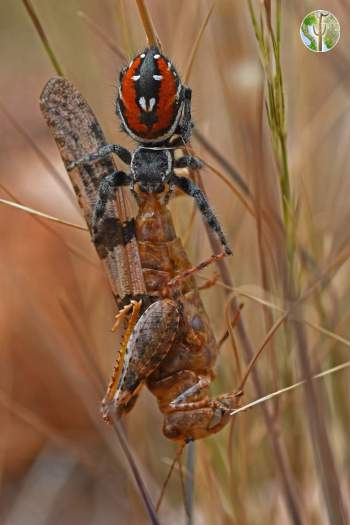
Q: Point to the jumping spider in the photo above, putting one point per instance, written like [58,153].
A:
[154,108]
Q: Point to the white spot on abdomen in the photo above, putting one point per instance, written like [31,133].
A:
[147,105]
[142,102]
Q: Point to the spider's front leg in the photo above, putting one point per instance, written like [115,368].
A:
[121,152]
[188,161]
[103,226]
[106,192]
[192,189]
[184,129]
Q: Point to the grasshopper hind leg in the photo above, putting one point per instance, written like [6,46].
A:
[151,338]
[196,420]
[189,412]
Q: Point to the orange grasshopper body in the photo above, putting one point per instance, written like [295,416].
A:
[172,347]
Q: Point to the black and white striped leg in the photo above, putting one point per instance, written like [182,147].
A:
[121,152]
[187,161]
[106,192]
[184,129]
[192,189]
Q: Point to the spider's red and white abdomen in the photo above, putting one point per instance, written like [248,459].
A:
[149,97]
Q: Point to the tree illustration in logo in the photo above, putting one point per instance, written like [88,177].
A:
[320,31]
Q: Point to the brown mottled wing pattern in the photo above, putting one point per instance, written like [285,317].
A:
[78,134]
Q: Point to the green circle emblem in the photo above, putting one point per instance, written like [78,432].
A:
[320,31]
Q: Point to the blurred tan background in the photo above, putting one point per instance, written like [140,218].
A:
[59,463]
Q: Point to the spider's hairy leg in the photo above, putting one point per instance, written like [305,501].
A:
[185,128]
[121,152]
[192,189]
[188,161]
[106,192]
